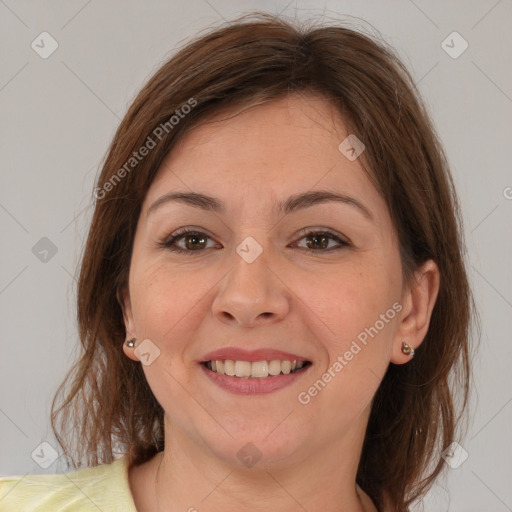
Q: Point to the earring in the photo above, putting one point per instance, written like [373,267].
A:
[407,350]
[131,343]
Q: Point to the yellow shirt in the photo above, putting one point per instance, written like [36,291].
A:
[102,488]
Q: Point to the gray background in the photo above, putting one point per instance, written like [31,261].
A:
[60,113]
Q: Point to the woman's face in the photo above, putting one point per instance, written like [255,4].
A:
[246,282]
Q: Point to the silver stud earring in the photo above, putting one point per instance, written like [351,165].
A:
[131,343]
[406,349]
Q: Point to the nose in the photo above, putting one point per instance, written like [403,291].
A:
[251,293]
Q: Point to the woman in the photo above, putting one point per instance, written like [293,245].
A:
[272,299]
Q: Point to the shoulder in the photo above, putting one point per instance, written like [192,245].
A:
[104,487]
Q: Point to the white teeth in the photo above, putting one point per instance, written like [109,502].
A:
[286,367]
[242,368]
[274,367]
[255,369]
[259,369]
[229,367]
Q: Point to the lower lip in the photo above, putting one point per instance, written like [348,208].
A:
[254,386]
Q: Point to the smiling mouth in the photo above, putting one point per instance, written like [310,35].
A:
[255,369]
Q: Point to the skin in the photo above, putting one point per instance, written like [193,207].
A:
[311,304]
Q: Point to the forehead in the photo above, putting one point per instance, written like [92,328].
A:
[272,150]
[282,125]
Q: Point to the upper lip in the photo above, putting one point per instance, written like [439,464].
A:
[240,354]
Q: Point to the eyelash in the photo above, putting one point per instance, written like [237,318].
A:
[170,242]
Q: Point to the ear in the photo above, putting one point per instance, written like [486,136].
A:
[418,303]
[123,297]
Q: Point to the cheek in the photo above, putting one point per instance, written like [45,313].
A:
[348,300]
[165,305]
[164,299]
[356,340]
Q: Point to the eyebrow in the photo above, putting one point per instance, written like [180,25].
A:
[292,204]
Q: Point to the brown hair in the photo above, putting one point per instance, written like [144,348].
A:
[255,59]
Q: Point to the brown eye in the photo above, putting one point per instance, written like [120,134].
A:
[318,242]
[194,241]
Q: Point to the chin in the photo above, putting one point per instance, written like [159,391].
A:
[262,450]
